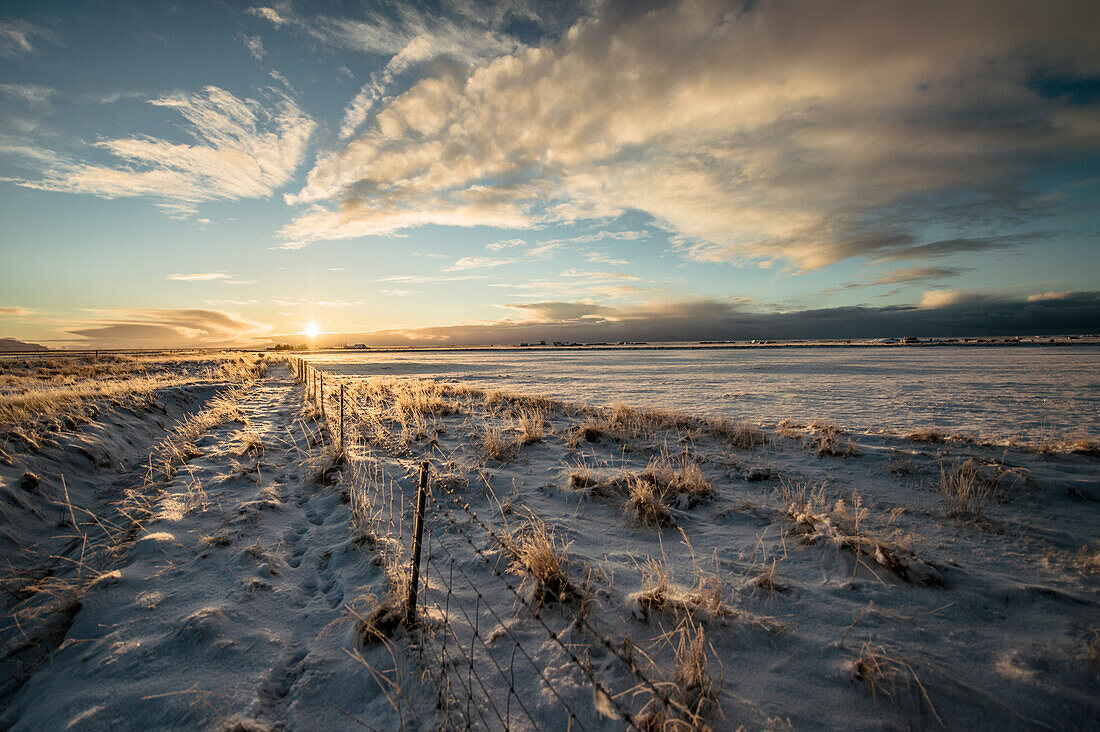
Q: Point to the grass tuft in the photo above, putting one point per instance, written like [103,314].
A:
[537,554]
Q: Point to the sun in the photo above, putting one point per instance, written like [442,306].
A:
[311,330]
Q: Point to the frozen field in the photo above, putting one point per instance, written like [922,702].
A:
[1003,393]
[224,547]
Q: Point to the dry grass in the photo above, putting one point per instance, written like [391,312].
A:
[322,463]
[705,599]
[827,443]
[1050,443]
[768,580]
[540,556]
[926,434]
[377,619]
[650,493]
[966,489]
[625,424]
[532,426]
[886,673]
[248,442]
[689,700]
[646,504]
[178,447]
[741,435]
[846,525]
[1087,560]
[497,444]
[60,393]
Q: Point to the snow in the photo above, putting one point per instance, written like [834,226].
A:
[989,393]
[237,604]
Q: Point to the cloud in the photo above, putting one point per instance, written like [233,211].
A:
[269,14]
[14,311]
[562,312]
[598,275]
[232,301]
[151,327]
[908,275]
[243,149]
[30,94]
[496,246]
[936,299]
[625,235]
[601,258]
[729,320]
[1043,296]
[752,132]
[198,277]
[255,46]
[15,37]
[480,263]
[427,279]
[409,36]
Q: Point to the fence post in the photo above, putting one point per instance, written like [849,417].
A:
[418,532]
[341,419]
[322,393]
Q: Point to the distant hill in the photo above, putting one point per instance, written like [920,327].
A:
[8,345]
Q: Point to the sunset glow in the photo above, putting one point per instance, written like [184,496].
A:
[484,172]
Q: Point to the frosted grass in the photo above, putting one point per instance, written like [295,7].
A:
[999,393]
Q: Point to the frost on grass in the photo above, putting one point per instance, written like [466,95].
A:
[827,441]
[497,443]
[688,700]
[891,678]
[666,482]
[539,556]
[815,519]
[625,424]
[742,435]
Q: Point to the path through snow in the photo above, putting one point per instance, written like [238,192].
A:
[228,607]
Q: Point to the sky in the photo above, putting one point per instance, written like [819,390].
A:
[214,173]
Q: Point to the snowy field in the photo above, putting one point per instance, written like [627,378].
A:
[990,393]
[185,544]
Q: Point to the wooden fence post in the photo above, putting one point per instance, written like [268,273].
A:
[341,419]
[322,393]
[418,533]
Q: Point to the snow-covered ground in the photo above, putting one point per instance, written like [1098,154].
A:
[788,576]
[999,393]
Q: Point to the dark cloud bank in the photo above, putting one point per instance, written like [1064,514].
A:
[973,315]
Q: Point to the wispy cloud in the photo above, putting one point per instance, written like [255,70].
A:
[602,258]
[480,263]
[427,279]
[244,149]
[756,133]
[33,95]
[199,277]
[585,274]
[271,15]
[255,46]
[497,246]
[136,327]
[14,311]
[408,35]
[232,301]
[16,35]
[909,275]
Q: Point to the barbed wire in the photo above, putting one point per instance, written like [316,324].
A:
[578,620]
[624,713]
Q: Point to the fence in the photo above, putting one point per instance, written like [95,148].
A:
[493,682]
